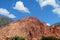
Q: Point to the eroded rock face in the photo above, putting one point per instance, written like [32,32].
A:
[30,28]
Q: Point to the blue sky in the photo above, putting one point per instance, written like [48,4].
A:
[45,10]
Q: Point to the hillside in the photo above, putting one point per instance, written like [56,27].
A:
[57,24]
[30,28]
[4,21]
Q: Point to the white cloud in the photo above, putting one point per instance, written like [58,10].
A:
[52,3]
[57,11]
[6,13]
[20,6]
[48,2]
[48,24]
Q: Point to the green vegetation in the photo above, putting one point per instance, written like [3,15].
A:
[4,21]
[49,38]
[17,38]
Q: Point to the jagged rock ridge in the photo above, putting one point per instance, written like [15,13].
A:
[30,28]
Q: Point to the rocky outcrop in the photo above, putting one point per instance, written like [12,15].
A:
[30,28]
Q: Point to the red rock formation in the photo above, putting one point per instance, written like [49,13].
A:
[30,28]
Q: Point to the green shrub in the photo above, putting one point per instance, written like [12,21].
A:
[49,38]
[17,38]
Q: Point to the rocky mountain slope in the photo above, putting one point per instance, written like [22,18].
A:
[57,24]
[4,21]
[30,28]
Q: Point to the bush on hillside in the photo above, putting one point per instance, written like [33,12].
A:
[49,38]
[17,38]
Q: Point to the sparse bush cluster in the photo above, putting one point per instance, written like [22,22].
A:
[17,38]
[49,38]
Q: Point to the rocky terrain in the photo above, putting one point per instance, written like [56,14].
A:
[57,24]
[30,28]
[4,21]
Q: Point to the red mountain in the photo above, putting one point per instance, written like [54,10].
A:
[30,28]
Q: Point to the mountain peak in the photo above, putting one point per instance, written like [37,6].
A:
[30,28]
